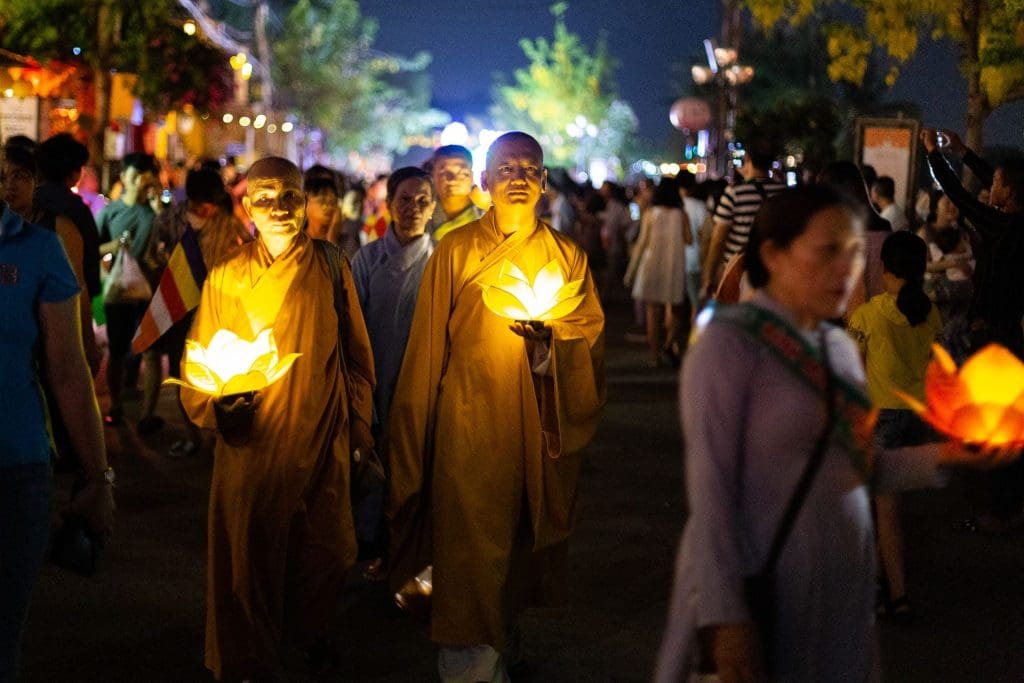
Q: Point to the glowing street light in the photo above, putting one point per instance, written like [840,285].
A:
[189,27]
[723,72]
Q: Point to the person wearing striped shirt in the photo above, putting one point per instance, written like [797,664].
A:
[735,213]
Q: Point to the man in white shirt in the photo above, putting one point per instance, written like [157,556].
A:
[883,194]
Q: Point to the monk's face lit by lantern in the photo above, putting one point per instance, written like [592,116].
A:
[274,198]
[515,175]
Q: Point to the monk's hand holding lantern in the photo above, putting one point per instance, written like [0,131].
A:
[234,371]
[981,405]
[530,305]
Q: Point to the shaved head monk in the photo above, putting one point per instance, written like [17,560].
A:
[484,472]
[280,520]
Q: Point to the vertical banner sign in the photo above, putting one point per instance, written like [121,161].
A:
[890,146]
[19,116]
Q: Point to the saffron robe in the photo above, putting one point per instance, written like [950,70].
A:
[280,519]
[484,454]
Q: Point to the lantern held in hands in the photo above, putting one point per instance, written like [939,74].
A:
[547,298]
[982,404]
[230,366]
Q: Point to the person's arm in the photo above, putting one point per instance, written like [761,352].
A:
[108,242]
[687,229]
[638,249]
[721,223]
[69,377]
[979,167]
[73,245]
[986,219]
[713,403]
[713,259]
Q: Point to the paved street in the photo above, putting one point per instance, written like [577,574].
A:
[141,617]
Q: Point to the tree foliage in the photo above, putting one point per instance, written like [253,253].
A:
[119,35]
[792,98]
[563,81]
[144,39]
[327,73]
[989,34]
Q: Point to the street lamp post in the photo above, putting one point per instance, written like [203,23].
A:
[726,73]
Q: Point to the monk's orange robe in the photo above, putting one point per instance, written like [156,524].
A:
[280,520]
[484,453]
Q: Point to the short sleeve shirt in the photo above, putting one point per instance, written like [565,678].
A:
[34,269]
[118,218]
[738,206]
[896,353]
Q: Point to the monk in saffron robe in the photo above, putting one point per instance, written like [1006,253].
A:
[487,423]
[280,521]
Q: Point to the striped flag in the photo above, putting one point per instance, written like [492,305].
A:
[177,294]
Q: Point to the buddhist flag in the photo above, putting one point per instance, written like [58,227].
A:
[178,293]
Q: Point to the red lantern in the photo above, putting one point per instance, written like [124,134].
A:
[690,113]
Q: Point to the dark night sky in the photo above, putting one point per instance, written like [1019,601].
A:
[471,40]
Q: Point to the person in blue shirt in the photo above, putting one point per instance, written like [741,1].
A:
[39,321]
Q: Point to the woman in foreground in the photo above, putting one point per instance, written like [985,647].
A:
[767,387]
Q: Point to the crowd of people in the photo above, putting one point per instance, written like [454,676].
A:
[416,426]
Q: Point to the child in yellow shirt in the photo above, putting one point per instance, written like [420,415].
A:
[895,331]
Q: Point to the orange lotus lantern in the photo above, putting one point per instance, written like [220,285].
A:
[230,365]
[982,404]
[548,297]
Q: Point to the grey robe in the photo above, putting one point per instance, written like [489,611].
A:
[387,277]
[750,426]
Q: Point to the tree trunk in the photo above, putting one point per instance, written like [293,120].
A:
[977,104]
[263,48]
[108,24]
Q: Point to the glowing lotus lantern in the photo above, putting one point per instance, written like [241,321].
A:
[983,404]
[230,365]
[548,297]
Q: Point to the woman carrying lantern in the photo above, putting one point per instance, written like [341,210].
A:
[772,395]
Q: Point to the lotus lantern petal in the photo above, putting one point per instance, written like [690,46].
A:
[548,297]
[981,404]
[231,365]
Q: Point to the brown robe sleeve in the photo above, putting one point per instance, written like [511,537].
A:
[198,405]
[571,399]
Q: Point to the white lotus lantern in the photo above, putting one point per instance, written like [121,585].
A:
[230,365]
[548,297]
